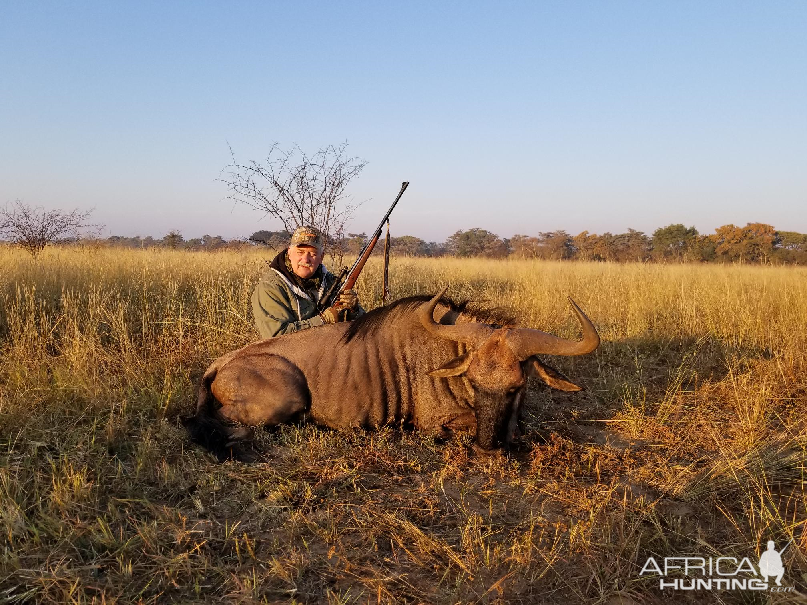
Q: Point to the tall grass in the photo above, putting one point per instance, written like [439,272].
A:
[689,439]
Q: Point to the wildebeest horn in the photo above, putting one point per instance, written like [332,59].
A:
[526,342]
[470,333]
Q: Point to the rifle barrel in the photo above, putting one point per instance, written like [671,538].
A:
[328,299]
[374,237]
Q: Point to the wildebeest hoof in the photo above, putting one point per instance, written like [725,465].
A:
[240,432]
[242,451]
[517,446]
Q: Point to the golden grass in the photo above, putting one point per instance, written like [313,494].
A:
[690,439]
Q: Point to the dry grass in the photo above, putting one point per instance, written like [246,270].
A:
[690,439]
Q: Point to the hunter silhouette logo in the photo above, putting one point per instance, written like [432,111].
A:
[720,573]
[770,563]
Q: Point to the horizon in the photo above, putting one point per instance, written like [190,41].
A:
[524,118]
[649,234]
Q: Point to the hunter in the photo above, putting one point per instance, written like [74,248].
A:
[285,299]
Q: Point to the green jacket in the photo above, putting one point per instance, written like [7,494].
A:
[281,306]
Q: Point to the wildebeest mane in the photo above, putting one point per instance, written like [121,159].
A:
[371,321]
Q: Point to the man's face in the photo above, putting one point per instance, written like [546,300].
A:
[305,260]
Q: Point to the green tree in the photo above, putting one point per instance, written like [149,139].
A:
[555,245]
[213,242]
[173,239]
[633,246]
[477,242]
[674,242]
[791,248]
[408,245]
[273,239]
[605,247]
[525,246]
[704,249]
[585,246]
[354,242]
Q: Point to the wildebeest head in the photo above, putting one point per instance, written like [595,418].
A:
[498,363]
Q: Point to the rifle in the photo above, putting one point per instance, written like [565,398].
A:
[350,276]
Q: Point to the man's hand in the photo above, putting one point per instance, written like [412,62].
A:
[343,309]
[334,314]
[348,300]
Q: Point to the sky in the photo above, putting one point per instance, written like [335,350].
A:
[515,117]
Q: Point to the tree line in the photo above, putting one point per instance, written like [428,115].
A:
[174,239]
[33,228]
[753,243]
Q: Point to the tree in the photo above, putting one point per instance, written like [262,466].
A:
[585,245]
[437,249]
[759,242]
[525,246]
[674,242]
[298,189]
[555,245]
[792,248]
[173,239]
[354,242]
[726,240]
[33,228]
[273,239]
[633,246]
[213,242]
[605,246]
[753,243]
[477,242]
[408,245]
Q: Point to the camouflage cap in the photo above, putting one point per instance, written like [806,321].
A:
[307,236]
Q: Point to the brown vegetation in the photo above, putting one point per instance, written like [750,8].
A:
[33,228]
[689,439]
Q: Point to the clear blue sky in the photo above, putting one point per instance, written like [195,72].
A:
[517,117]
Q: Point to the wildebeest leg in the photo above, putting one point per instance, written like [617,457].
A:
[261,389]
[513,430]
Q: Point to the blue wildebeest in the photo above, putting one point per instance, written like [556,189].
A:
[434,365]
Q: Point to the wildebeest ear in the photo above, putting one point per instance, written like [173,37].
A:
[455,367]
[550,375]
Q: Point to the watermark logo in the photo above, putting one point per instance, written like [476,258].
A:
[720,573]
[770,563]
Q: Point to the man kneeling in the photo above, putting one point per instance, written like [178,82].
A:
[285,299]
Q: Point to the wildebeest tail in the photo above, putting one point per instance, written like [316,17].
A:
[223,438]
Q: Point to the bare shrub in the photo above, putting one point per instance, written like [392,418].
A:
[33,228]
[298,189]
